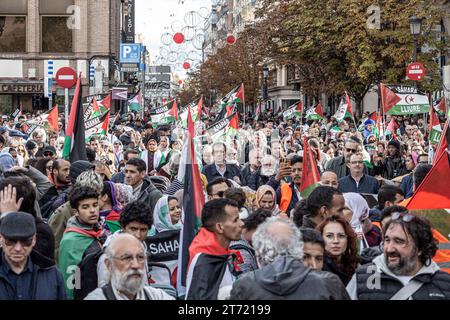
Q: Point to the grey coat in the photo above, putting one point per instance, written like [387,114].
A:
[288,279]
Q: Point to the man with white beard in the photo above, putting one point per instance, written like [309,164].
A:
[125,260]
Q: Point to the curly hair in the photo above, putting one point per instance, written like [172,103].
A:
[419,229]
[350,259]
[269,244]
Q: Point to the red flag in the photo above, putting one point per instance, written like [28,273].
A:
[300,107]
[443,143]
[388,98]
[310,176]
[174,110]
[442,105]
[95,105]
[348,103]
[107,102]
[373,116]
[53,118]
[240,94]
[433,192]
[234,122]
[200,107]
[319,110]
[230,110]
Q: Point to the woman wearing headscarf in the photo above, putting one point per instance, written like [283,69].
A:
[167,215]
[266,198]
[357,214]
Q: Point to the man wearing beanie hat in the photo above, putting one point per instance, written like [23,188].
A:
[394,165]
[22,276]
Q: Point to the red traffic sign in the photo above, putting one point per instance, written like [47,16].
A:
[66,77]
[415,71]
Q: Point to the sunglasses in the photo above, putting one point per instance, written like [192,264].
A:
[24,242]
[47,154]
[406,217]
[351,150]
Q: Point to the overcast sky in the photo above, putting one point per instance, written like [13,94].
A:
[156,17]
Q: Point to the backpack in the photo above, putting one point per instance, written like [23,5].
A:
[88,271]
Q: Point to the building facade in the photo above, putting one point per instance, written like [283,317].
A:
[37,37]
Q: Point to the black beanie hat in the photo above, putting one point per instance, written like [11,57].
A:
[77,168]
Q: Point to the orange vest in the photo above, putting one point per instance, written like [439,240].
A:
[377,224]
[442,256]
[286,197]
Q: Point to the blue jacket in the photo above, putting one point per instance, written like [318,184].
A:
[231,171]
[47,281]
[367,184]
[407,185]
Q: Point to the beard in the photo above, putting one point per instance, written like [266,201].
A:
[405,265]
[127,282]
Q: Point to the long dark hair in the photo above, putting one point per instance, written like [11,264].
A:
[350,259]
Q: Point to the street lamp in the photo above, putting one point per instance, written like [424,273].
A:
[415,25]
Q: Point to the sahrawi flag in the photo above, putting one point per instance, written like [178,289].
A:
[165,114]
[315,113]
[48,120]
[135,103]
[220,129]
[193,201]
[345,109]
[310,176]
[75,144]
[196,107]
[236,95]
[441,106]
[294,110]
[403,100]
[435,130]
[97,126]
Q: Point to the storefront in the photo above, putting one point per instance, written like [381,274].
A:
[29,94]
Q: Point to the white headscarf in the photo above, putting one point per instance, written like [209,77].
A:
[161,216]
[358,205]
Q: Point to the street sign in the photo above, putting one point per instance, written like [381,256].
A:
[66,77]
[120,94]
[415,71]
[129,67]
[91,72]
[130,53]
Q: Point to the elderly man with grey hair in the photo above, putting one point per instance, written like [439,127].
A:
[126,260]
[279,251]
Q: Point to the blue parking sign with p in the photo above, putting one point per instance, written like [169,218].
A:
[130,53]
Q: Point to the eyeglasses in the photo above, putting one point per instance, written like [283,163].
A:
[12,242]
[128,258]
[406,217]
[356,162]
[48,154]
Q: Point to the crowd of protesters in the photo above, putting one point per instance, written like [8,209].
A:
[84,230]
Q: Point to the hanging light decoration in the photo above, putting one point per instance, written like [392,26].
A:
[178,38]
[186,65]
[231,39]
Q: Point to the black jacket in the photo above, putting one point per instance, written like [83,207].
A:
[211,172]
[330,266]
[393,167]
[436,283]
[47,281]
[149,194]
[45,240]
[288,279]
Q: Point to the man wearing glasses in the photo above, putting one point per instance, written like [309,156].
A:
[405,270]
[357,181]
[339,164]
[25,275]
[126,260]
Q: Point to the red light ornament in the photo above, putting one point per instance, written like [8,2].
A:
[231,39]
[178,38]
[186,65]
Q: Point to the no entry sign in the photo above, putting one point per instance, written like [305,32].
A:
[415,71]
[66,77]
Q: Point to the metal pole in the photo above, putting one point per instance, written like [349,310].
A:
[415,56]
[66,107]
[143,83]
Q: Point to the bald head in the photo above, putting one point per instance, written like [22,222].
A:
[329,178]
[122,244]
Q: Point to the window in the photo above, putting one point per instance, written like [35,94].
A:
[56,36]
[6,104]
[13,34]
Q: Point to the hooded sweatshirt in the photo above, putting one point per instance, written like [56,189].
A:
[287,278]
